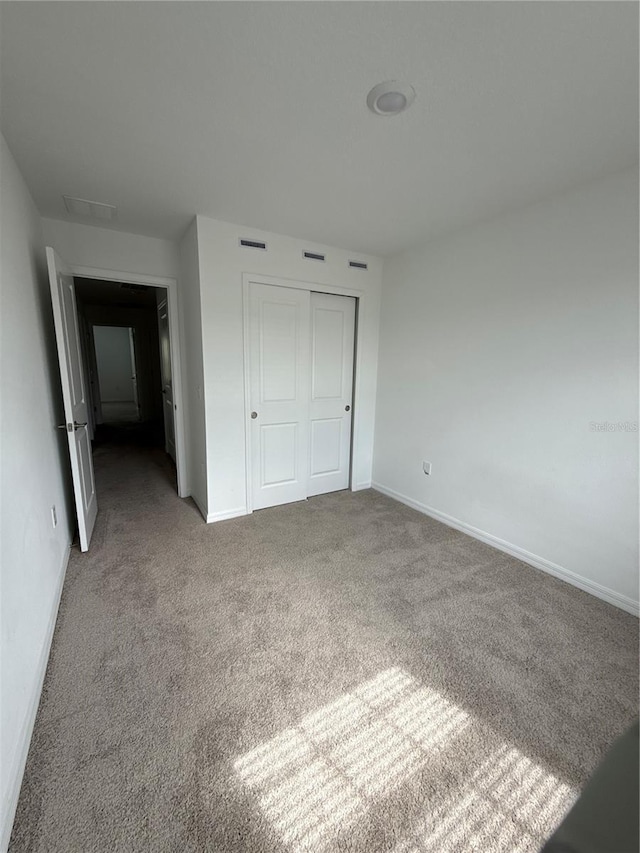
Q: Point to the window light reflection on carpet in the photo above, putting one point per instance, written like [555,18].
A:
[317,780]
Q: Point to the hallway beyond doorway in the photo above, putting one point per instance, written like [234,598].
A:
[120,412]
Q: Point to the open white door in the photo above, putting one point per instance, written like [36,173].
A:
[279,394]
[74,394]
[332,339]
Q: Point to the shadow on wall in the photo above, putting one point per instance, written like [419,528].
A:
[317,781]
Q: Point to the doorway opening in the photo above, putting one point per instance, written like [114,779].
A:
[117,382]
[126,348]
[100,302]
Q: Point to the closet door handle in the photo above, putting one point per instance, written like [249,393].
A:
[254,415]
[347,408]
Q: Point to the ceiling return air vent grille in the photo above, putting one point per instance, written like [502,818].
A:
[93,209]
[313,256]
[358,265]
[253,244]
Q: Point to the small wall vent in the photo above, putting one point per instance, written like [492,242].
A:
[313,256]
[253,244]
[358,265]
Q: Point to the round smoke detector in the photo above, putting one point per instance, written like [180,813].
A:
[391,98]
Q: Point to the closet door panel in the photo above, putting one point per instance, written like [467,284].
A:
[332,349]
[279,394]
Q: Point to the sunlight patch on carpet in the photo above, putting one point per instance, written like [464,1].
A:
[509,805]
[317,780]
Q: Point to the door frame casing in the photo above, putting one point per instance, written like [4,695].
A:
[159,306]
[360,296]
[171,286]
[134,366]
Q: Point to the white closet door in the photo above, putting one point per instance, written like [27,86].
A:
[279,394]
[332,340]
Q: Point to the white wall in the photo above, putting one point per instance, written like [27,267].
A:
[104,248]
[33,458]
[500,347]
[192,367]
[113,357]
[222,264]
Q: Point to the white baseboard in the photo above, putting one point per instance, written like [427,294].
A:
[225,514]
[211,517]
[603,592]
[360,486]
[24,740]
[203,511]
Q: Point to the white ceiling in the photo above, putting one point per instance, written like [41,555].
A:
[255,113]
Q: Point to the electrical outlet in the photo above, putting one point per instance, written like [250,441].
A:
[54,516]
[426,467]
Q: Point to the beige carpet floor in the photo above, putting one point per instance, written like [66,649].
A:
[341,674]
